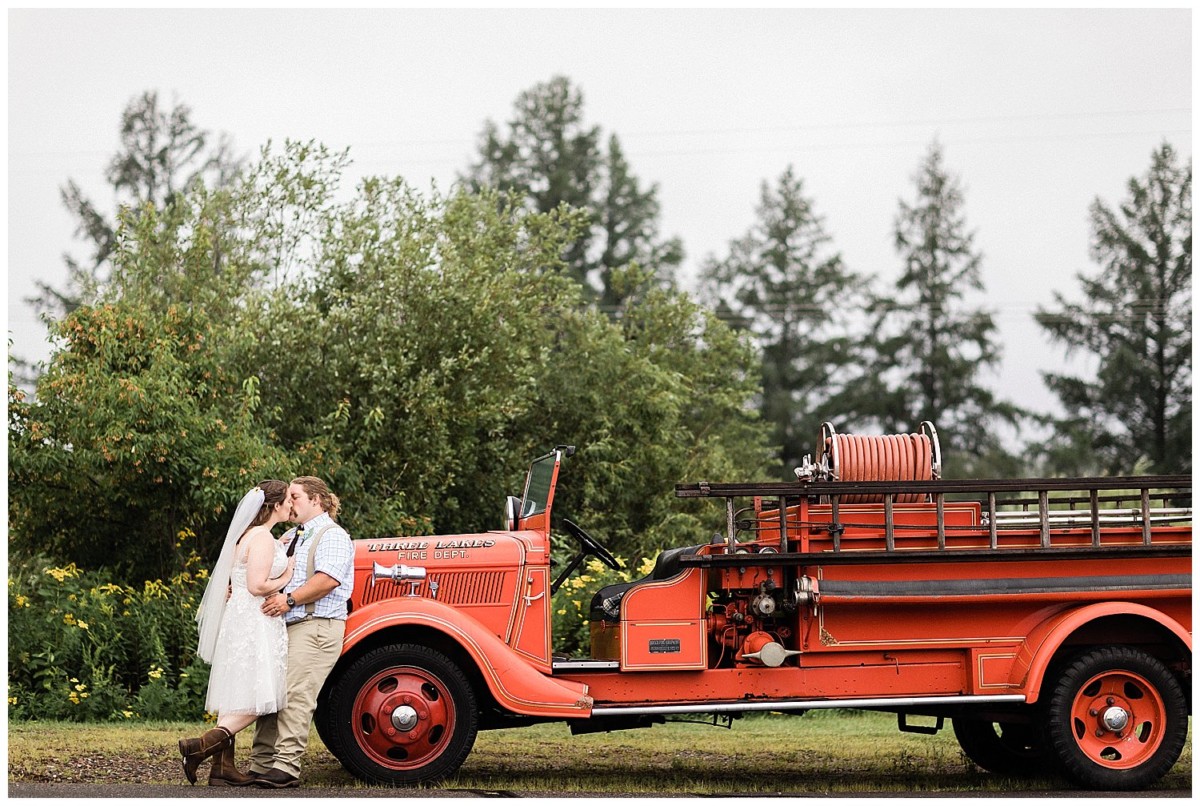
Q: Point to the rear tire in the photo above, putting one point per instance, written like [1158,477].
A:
[401,715]
[1116,719]
[1004,748]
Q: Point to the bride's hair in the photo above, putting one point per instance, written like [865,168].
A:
[274,491]
[315,488]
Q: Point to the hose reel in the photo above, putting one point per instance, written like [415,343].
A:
[890,457]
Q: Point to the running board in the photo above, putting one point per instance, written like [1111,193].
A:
[586,666]
[801,705]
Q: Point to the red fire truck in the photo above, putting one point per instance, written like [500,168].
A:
[1049,620]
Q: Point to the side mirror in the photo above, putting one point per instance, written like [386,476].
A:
[512,508]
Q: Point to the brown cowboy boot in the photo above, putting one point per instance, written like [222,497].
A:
[194,751]
[225,772]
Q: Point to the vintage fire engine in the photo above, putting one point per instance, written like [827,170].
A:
[1048,619]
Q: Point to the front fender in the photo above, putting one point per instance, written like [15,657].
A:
[1038,650]
[516,685]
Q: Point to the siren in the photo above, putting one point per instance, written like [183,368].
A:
[397,574]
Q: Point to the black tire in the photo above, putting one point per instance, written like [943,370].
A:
[1004,748]
[401,715]
[323,716]
[1116,719]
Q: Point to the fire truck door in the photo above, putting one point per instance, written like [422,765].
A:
[531,636]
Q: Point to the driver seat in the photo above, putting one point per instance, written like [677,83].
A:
[606,603]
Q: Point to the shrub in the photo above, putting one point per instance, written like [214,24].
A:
[82,647]
[571,606]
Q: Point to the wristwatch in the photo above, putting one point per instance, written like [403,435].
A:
[291,602]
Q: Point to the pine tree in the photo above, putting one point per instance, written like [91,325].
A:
[930,345]
[550,157]
[784,282]
[1136,321]
[162,154]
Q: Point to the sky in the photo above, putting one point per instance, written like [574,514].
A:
[1038,113]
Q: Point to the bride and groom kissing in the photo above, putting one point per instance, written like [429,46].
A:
[271,623]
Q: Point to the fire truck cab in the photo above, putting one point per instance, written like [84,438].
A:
[1048,619]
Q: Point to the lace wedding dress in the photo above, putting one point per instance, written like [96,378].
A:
[249,668]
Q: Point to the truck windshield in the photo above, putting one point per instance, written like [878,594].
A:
[537,484]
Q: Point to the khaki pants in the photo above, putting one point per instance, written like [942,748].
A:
[280,739]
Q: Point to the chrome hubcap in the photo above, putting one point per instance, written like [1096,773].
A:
[1115,719]
[404,718]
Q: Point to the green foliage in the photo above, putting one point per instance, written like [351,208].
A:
[660,398]
[163,153]
[783,282]
[930,346]
[438,346]
[1136,322]
[83,648]
[570,609]
[136,445]
[414,351]
[411,354]
[550,158]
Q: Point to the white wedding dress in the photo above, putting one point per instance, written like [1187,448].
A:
[249,668]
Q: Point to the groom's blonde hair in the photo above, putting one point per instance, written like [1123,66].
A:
[315,488]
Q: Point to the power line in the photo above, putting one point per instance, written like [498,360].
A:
[812,127]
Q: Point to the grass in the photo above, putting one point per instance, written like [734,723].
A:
[820,753]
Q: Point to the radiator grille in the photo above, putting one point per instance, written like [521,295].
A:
[456,588]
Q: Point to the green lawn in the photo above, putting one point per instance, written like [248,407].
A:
[820,753]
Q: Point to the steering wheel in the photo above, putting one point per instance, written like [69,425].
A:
[589,544]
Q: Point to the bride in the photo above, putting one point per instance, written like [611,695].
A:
[247,649]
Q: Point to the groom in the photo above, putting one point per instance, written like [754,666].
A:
[314,606]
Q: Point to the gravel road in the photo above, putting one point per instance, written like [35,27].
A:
[75,791]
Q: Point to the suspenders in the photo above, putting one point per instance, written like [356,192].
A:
[311,607]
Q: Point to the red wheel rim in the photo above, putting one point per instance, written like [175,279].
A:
[1118,719]
[403,718]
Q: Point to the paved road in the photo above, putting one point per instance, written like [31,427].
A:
[27,790]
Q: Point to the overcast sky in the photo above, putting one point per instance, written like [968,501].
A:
[1038,112]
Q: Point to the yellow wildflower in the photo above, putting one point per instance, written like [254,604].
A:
[69,619]
[61,574]
[83,625]
[156,673]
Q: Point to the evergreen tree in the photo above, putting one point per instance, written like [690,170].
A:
[163,153]
[785,283]
[930,345]
[550,157]
[1136,321]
